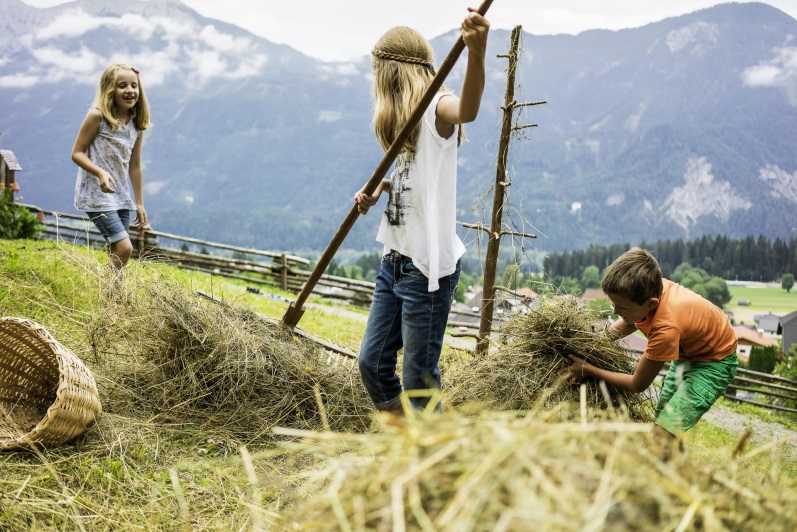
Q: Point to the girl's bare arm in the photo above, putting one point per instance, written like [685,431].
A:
[137,180]
[88,130]
[451,110]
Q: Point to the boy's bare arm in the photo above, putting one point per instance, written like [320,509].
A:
[644,375]
[621,329]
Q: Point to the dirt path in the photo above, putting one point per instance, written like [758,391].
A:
[763,431]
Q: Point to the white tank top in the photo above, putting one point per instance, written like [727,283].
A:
[110,150]
[420,218]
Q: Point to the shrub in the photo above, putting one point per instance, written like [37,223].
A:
[763,359]
[15,220]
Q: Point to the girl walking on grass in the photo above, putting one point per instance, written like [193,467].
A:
[420,267]
[107,151]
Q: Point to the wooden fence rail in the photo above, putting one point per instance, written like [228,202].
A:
[279,269]
[764,384]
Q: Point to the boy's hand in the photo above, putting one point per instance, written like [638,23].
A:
[579,369]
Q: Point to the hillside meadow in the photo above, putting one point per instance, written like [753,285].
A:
[762,300]
[215,418]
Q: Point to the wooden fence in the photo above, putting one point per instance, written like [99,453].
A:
[783,390]
[255,266]
[765,384]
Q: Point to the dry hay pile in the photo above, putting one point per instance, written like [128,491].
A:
[221,366]
[498,471]
[527,369]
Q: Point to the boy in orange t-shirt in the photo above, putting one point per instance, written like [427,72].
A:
[682,327]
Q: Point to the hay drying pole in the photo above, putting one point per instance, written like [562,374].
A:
[495,232]
[296,310]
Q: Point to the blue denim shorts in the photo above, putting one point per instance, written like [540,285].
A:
[112,224]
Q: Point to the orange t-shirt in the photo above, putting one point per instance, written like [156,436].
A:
[685,326]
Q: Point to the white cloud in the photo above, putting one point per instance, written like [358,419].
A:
[780,71]
[347,69]
[347,29]
[70,24]
[223,41]
[19,81]
[81,63]
[761,76]
[201,53]
[329,116]
[615,199]
[153,187]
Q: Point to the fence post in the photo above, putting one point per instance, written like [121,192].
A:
[138,241]
[284,271]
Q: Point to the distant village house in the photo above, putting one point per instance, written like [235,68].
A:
[747,338]
[787,330]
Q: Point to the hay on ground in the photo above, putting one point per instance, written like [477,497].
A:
[220,366]
[527,369]
[504,472]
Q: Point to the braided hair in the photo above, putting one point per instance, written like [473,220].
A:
[403,69]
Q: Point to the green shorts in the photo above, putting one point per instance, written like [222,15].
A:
[689,390]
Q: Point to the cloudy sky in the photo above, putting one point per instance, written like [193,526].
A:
[347,29]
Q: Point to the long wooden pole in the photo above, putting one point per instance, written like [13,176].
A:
[296,310]
[494,238]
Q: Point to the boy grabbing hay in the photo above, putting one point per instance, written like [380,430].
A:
[681,327]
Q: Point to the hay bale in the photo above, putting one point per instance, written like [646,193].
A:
[223,367]
[504,472]
[527,369]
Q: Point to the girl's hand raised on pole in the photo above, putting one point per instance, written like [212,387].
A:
[474,31]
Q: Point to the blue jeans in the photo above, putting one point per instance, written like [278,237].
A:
[112,224]
[404,314]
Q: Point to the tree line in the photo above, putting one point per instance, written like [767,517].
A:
[749,259]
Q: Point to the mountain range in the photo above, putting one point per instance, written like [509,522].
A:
[682,127]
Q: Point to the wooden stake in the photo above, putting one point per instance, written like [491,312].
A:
[296,310]
[494,238]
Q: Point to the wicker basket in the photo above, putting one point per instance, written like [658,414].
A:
[47,396]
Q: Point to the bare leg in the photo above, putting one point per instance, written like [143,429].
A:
[667,443]
[119,253]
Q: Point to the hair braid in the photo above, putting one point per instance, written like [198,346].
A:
[402,58]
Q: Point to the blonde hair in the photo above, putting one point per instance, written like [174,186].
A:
[635,275]
[105,103]
[402,64]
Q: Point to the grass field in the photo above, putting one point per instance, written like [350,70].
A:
[162,457]
[762,300]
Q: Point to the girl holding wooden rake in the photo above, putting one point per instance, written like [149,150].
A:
[420,267]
